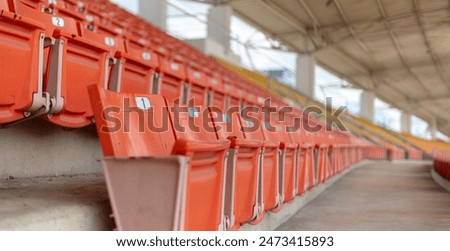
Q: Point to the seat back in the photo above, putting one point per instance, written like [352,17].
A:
[227,125]
[134,71]
[4,5]
[197,85]
[193,123]
[252,125]
[33,9]
[21,53]
[132,125]
[196,138]
[171,83]
[81,63]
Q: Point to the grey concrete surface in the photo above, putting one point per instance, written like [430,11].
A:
[37,148]
[272,221]
[57,203]
[378,196]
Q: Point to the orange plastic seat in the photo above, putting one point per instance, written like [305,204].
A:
[22,43]
[172,81]
[276,131]
[72,63]
[162,174]
[305,165]
[81,63]
[242,183]
[236,95]
[214,83]
[269,196]
[134,70]
[219,94]
[197,88]
[322,156]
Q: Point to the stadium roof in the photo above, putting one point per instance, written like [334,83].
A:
[398,49]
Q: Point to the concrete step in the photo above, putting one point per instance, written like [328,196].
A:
[37,148]
[55,203]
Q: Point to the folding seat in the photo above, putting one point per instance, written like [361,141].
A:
[241,186]
[276,130]
[320,153]
[58,79]
[113,41]
[326,142]
[197,84]
[59,8]
[236,94]
[172,81]
[219,94]
[306,167]
[250,98]
[269,192]
[158,44]
[261,96]
[134,70]
[293,126]
[52,55]
[22,42]
[288,164]
[79,63]
[338,150]
[36,10]
[161,173]
[337,145]
[215,85]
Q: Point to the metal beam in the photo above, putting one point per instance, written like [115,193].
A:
[397,46]
[353,33]
[336,51]
[437,63]
[391,18]
[270,6]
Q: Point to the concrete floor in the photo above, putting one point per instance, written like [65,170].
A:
[378,196]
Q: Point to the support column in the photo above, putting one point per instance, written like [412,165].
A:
[219,25]
[367,103]
[306,64]
[154,11]
[433,129]
[406,122]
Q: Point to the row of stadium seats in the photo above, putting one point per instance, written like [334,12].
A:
[441,161]
[61,46]
[397,146]
[233,171]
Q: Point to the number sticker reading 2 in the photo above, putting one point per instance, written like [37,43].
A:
[57,21]
[143,103]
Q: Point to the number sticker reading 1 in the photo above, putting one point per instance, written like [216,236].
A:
[57,21]
[143,103]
